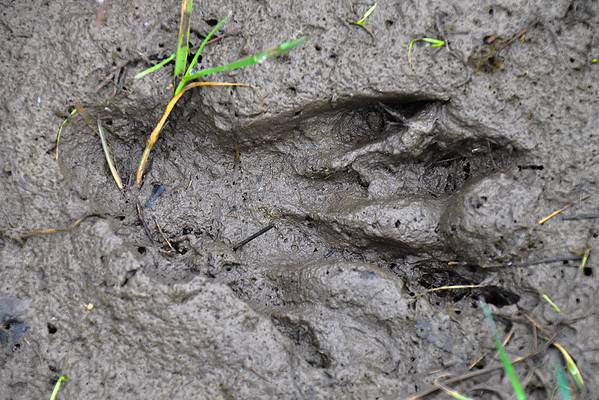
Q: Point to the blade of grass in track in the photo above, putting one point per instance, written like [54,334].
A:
[248,61]
[507,365]
[169,107]
[61,379]
[198,53]
[362,21]
[61,128]
[183,40]
[562,382]
[570,365]
[107,154]
[156,67]
[451,393]
[433,43]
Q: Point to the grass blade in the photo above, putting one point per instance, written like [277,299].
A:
[562,383]
[183,40]
[197,55]
[433,43]
[72,113]
[451,393]
[507,365]
[156,67]
[585,259]
[61,379]
[249,61]
[551,303]
[107,154]
[169,108]
[571,366]
[362,21]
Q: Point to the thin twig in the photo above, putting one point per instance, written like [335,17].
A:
[504,343]
[455,287]
[163,235]
[252,237]
[554,214]
[536,262]
[49,231]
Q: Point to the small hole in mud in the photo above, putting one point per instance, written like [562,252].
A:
[52,329]
[587,271]
[397,223]
[120,217]
[389,23]
[212,22]
[333,56]
[141,250]
[161,45]
[491,11]
[317,47]
[572,59]
[118,49]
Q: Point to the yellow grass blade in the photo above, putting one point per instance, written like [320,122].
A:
[169,108]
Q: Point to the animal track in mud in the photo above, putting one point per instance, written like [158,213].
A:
[404,162]
[368,180]
[369,173]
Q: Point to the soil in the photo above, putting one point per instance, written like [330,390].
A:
[380,180]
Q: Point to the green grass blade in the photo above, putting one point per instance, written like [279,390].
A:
[197,55]
[433,43]
[562,383]
[156,67]
[248,61]
[61,379]
[107,154]
[507,365]
[64,123]
[183,40]
[362,21]
[203,44]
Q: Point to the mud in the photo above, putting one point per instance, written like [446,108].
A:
[381,181]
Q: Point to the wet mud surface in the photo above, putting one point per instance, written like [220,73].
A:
[369,182]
